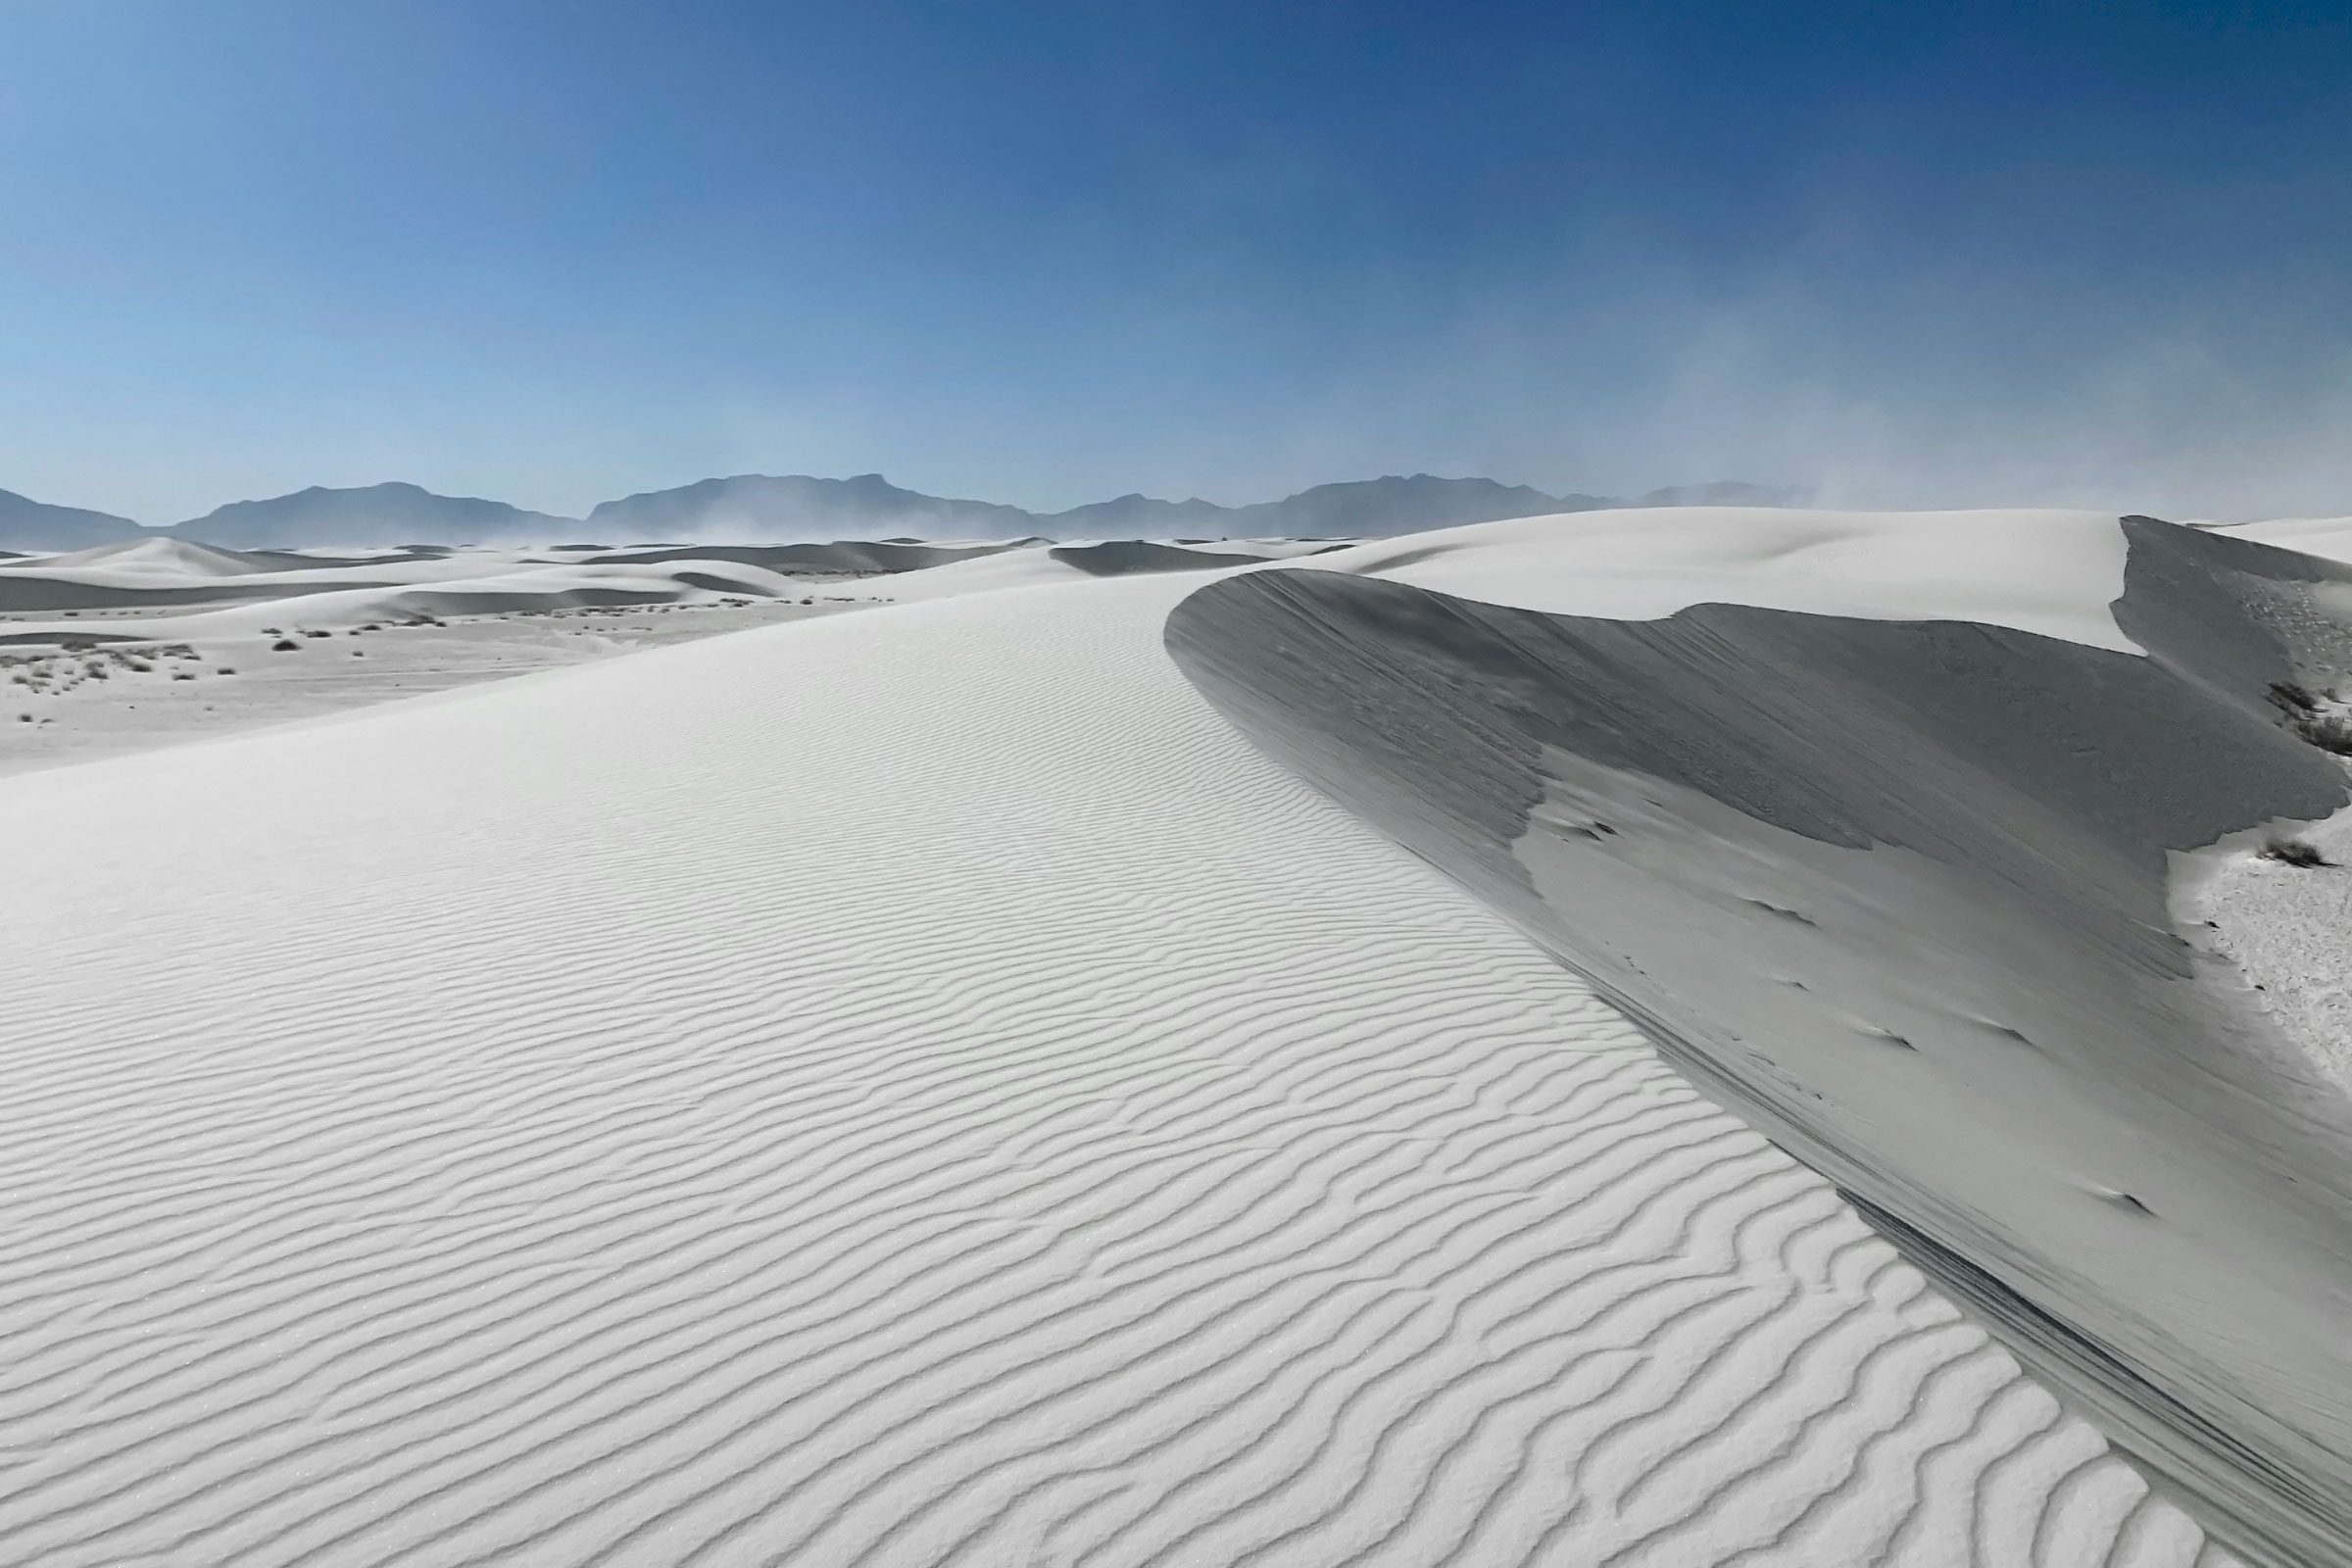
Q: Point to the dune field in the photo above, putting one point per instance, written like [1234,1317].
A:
[1637,1038]
[125,647]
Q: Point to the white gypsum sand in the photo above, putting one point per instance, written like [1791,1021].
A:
[2278,930]
[910,1087]
[1867,817]
[158,641]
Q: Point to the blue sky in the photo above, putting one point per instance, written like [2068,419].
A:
[555,252]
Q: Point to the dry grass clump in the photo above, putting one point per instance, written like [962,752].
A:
[2318,717]
[2294,852]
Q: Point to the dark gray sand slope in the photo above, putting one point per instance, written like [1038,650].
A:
[26,592]
[1124,557]
[1896,892]
[858,557]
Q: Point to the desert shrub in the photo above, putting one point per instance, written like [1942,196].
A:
[2294,852]
[2329,732]
[2289,697]
[2330,729]
[285,645]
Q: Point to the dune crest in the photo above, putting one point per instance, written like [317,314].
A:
[1896,892]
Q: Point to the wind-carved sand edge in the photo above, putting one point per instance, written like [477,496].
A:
[1895,893]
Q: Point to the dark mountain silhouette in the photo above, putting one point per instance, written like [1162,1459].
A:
[376,515]
[758,507]
[1398,503]
[26,524]
[765,508]
[1132,513]
[751,508]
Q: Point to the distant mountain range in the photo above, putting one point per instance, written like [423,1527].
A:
[377,515]
[765,509]
[755,508]
[28,525]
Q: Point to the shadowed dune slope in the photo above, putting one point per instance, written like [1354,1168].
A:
[28,592]
[1897,893]
[845,556]
[1125,556]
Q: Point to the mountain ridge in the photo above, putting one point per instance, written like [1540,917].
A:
[395,512]
[26,524]
[749,509]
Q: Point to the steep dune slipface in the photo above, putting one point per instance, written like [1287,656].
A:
[1126,556]
[1896,892]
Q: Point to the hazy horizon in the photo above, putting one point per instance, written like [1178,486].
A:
[552,254]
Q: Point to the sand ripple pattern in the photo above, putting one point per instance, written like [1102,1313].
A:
[906,1089]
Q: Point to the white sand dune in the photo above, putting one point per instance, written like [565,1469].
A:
[156,608]
[2054,572]
[165,556]
[172,580]
[1877,823]
[909,1088]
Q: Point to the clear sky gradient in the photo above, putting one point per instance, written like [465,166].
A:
[553,251]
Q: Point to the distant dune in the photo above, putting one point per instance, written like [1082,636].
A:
[187,590]
[159,556]
[1132,555]
[840,556]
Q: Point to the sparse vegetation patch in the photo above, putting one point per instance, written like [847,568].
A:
[2322,719]
[2294,852]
